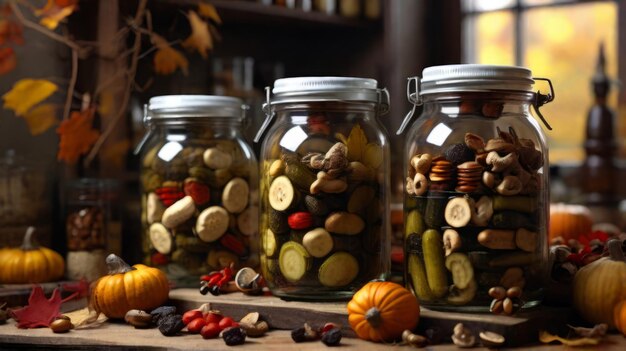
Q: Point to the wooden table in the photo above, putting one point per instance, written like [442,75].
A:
[279,314]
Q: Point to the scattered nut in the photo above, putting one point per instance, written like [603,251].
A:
[138,318]
[326,184]
[421,163]
[248,281]
[250,318]
[514,292]
[497,292]
[255,330]
[491,339]
[413,339]
[462,336]
[61,325]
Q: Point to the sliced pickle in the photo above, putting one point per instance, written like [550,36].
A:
[294,261]
[338,270]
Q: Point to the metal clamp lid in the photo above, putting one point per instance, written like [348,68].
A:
[357,90]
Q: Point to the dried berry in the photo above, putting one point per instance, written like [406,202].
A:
[196,325]
[459,153]
[332,337]
[226,322]
[160,312]
[299,335]
[210,330]
[191,315]
[234,336]
[171,325]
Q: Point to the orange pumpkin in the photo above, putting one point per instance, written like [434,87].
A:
[569,221]
[600,286]
[619,316]
[126,288]
[30,263]
[381,311]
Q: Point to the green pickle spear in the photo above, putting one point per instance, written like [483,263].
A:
[434,261]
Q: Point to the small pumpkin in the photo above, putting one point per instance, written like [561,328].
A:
[619,316]
[381,311]
[569,221]
[601,285]
[127,288]
[30,263]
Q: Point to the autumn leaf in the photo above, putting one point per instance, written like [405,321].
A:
[356,143]
[10,31]
[7,60]
[41,118]
[208,11]
[40,311]
[167,60]
[200,39]
[26,93]
[76,136]
[55,11]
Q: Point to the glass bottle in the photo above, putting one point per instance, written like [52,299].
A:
[325,226]
[477,190]
[199,187]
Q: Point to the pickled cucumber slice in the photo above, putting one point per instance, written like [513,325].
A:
[281,194]
[458,212]
[417,274]
[268,243]
[161,238]
[338,270]
[294,261]
[434,256]
[461,268]
[462,296]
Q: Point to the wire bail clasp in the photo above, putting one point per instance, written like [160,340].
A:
[414,97]
[269,114]
[542,99]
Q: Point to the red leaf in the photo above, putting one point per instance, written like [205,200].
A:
[81,288]
[585,239]
[40,311]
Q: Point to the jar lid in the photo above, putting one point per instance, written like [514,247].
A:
[305,89]
[474,77]
[187,106]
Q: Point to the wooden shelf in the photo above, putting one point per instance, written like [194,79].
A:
[253,13]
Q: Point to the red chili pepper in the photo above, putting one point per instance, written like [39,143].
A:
[233,244]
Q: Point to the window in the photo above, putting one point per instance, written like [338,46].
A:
[558,39]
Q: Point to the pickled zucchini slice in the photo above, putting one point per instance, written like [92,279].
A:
[338,270]
[268,243]
[294,261]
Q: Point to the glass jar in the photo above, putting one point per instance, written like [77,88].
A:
[477,191]
[325,188]
[92,226]
[199,187]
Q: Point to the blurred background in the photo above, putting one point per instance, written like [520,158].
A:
[255,42]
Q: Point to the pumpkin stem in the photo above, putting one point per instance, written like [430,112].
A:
[29,242]
[615,250]
[117,265]
[373,317]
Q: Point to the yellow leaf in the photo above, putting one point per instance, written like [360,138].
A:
[26,93]
[200,39]
[208,11]
[167,60]
[54,12]
[546,337]
[373,155]
[41,118]
[115,154]
[356,143]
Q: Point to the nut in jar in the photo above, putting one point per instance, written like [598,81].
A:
[475,195]
[199,188]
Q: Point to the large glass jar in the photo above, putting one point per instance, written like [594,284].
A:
[199,187]
[476,194]
[324,188]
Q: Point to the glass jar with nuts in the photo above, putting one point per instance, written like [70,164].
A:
[476,193]
[199,181]
[325,226]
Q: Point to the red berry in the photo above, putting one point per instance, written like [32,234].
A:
[327,327]
[191,315]
[226,322]
[196,325]
[212,317]
[210,331]
[300,220]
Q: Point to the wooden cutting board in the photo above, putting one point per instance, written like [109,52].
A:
[521,329]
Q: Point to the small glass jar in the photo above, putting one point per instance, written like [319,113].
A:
[92,226]
[199,187]
[477,191]
[325,228]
